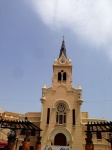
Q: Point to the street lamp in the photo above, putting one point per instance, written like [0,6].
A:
[110,139]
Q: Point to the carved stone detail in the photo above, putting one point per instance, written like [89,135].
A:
[62,130]
[62,101]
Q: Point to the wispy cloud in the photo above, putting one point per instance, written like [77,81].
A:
[90,19]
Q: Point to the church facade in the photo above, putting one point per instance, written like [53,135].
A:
[61,120]
[61,107]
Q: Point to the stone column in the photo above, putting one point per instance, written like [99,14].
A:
[89,143]
[38,144]
[26,142]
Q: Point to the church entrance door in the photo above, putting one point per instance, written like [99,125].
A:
[60,139]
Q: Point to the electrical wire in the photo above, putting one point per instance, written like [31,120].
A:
[2,99]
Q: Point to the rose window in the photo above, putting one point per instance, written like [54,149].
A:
[61,114]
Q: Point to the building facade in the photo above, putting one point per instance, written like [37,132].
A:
[61,120]
[62,105]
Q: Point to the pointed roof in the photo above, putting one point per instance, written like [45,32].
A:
[63,49]
[79,86]
[44,86]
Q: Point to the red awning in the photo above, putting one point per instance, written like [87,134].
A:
[2,145]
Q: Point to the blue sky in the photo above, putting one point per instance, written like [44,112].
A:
[30,39]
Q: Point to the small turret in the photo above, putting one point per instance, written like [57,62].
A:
[44,87]
[79,95]
[79,87]
[43,99]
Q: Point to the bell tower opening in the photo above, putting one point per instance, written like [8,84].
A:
[60,140]
[62,76]
[59,76]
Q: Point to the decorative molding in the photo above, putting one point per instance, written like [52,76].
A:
[62,101]
[60,129]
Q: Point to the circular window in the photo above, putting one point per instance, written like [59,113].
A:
[62,61]
[61,108]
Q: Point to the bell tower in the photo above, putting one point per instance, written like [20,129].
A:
[61,103]
[62,70]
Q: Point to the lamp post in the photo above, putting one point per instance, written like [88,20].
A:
[110,139]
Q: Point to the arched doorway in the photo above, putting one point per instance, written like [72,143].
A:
[60,139]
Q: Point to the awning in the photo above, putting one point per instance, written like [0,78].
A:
[2,145]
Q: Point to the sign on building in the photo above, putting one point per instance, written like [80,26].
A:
[56,147]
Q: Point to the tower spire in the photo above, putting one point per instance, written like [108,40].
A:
[63,49]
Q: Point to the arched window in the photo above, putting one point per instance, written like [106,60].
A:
[61,113]
[48,115]
[73,116]
[59,76]
[62,76]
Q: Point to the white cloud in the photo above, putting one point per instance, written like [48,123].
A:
[90,19]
